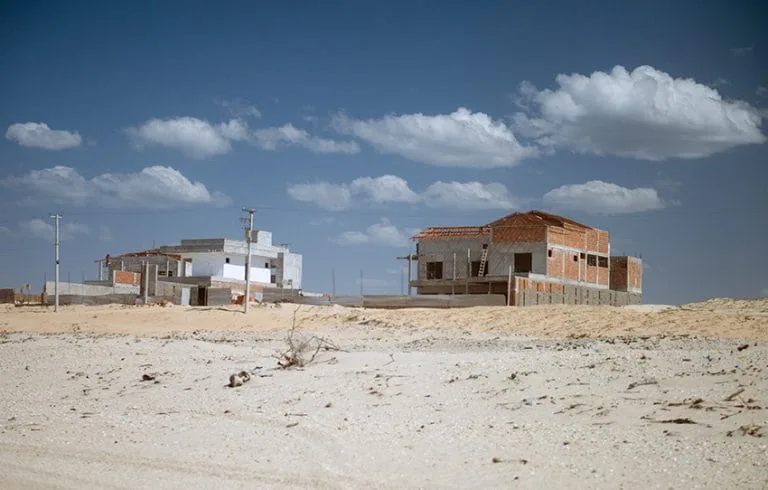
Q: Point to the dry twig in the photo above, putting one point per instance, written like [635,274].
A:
[302,350]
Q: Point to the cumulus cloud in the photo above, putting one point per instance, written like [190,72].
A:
[460,139]
[645,114]
[762,91]
[38,228]
[194,137]
[742,50]
[387,188]
[240,108]
[153,187]
[288,135]
[598,197]
[467,196]
[382,233]
[39,135]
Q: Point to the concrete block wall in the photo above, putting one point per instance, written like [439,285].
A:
[528,292]
[76,289]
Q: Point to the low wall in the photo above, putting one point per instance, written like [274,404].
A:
[527,292]
[105,299]
[435,301]
[218,296]
[177,294]
[71,288]
[7,296]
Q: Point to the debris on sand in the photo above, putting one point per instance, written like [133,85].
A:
[238,379]
[644,382]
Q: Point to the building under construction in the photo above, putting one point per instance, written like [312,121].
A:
[531,258]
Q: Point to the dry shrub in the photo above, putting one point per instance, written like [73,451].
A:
[302,350]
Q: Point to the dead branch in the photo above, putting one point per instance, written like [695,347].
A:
[302,350]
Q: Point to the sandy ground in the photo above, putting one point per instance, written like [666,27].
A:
[543,397]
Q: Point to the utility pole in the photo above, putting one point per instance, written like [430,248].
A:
[410,258]
[56,217]
[333,283]
[249,239]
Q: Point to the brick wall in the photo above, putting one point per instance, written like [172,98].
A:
[502,233]
[125,277]
[561,263]
[594,240]
[7,296]
[635,273]
[626,273]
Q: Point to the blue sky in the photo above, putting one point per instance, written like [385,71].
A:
[350,124]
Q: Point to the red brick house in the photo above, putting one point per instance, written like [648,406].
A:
[546,253]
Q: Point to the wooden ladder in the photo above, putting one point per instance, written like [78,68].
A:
[483,261]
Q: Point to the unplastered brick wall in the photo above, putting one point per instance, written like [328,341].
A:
[563,263]
[592,239]
[626,274]
[502,233]
[125,277]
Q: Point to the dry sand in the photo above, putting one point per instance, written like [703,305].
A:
[540,397]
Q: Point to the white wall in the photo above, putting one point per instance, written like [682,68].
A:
[215,264]
[237,272]
[289,268]
[206,264]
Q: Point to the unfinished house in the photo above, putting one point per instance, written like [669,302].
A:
[532,258]
[214,268]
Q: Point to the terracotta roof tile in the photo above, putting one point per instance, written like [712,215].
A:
[530,218]
[453,232]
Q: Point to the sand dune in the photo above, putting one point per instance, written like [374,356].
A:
[544,397]
[717,318]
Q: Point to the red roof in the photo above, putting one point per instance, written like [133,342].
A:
[529,218]
[453,232]
[539,217]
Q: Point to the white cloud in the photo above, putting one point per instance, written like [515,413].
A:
[288,135]
[387,188]
[598,197]
[4,230]
[328,196]
[152,187]
[382,233]
[644,114]
[742,51]
[459,139]
[238,108]
[42,229]
[762,91]
[235,130]
[39,135]
[194,137]
[322,221]
[105,234]
[467,196]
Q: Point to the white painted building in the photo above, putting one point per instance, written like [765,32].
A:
[224,259]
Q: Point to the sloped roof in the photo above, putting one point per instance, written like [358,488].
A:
[534,217]
[453,232]
[146,253]
[538,217]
